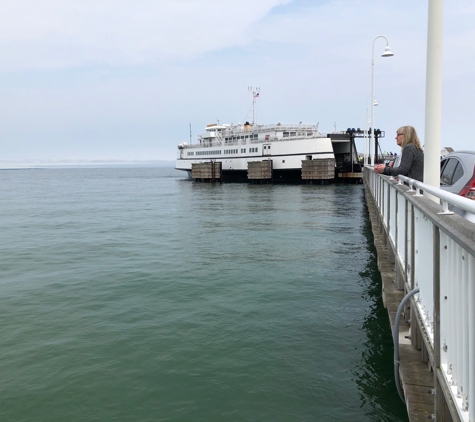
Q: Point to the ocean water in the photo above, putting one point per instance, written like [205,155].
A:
[132,294]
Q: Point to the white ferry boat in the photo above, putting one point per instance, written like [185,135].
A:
[235,146]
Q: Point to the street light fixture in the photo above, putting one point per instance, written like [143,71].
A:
[387,53]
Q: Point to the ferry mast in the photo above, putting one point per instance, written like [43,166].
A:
[255,96]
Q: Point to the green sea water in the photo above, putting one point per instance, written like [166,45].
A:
[132,294]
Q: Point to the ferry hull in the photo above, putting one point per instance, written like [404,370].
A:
[266,153]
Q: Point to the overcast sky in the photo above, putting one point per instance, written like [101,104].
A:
[124,79]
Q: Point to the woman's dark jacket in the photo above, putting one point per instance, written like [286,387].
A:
[412,164]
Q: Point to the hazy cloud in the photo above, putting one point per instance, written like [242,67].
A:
[125,79]
[58,34]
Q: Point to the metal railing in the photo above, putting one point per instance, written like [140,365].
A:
[434,250]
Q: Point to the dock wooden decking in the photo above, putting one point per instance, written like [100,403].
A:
[417,377]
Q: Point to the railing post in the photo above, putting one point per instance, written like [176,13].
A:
[415,333]
[406,234]
[413,249]
[471,337]
[439,399]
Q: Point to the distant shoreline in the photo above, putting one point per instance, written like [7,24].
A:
[24,165]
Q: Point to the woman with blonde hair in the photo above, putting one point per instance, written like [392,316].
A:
[412,158]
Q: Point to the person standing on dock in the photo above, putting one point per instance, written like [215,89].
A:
[412,158]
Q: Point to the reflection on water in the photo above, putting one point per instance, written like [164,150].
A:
[374,375]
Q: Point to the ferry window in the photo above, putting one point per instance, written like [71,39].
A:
[286,134]
[293,133]
[309,133]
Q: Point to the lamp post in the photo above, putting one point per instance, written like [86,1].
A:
[387,53]
[367,148]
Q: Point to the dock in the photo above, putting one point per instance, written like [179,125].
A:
[416,374]
[426,257]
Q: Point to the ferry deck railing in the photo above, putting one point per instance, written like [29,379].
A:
[215,143]
[434,250]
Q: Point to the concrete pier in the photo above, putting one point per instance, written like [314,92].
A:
[426,257]
[417,378]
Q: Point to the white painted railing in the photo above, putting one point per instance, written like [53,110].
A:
[434,250]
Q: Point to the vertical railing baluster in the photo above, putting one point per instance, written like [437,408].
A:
[439,398]
[471,337]
[465,333]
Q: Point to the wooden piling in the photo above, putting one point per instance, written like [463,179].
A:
[209,172]
[320,169]
[259,170]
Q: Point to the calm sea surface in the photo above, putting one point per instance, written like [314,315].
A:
[131,294]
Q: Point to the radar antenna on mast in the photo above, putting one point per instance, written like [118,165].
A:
[255,96]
